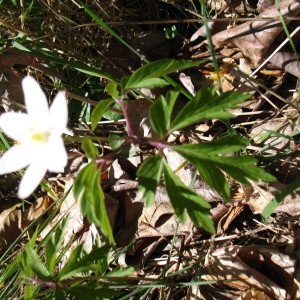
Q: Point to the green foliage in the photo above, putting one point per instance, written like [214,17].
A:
[211,157]
[160,112]
[87,188]
[216,161]
[90,150]
[170,33]
[99,110]
[185,200]
[82,274]
[148,75]
[205,105]
[54,243]
[149,174]
[81,262]
[65,281]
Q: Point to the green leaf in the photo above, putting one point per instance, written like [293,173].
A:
[208,160]
[213,176]
[222,145]
[185,200]
[242,168]
[121,272]
[54,243]
[113,115]
[160,112]
[159,116]
[153,70]
[151,83]
[149,174]
[36,265]
[79,261]
[112,89]
[87,187]
[99,110]
[200,108]
[90,150]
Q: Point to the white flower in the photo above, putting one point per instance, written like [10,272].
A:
[38,135]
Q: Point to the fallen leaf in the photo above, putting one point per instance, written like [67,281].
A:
[254,38]
[254,268]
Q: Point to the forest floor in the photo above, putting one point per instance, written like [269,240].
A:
[256,49]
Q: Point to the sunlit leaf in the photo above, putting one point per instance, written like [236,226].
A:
[199,108]
[147,75]
[78,262]
[36,264]
[185,200]
[90,150]
[209,157]
[99,110]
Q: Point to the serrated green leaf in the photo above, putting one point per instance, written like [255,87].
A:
[99,110]
[153,70]
[185,200]
[149,174]
[207,159]
[90,150]
[198,109]
[242,168]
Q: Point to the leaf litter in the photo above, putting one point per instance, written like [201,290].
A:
[250,255]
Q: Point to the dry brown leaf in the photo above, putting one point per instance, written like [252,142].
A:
[226,219]
[262,195]
[13,221]
[256,269]
[160,220]
[254,38]
[10,227]
[287,61]
[127,221]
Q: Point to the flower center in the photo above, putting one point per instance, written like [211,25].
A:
[31,136]
[41,137]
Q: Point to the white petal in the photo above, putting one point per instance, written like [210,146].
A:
[31,179]
[14,124]
[16,158]
[35,100]
[58,113]
[57,156]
